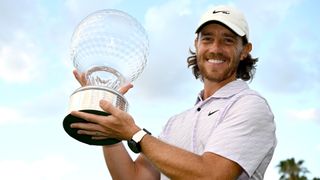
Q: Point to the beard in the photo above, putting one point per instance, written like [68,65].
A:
[227,72]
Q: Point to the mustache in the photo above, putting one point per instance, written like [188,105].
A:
[217,56]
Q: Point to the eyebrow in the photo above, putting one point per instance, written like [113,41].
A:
[225,34]
[232,35]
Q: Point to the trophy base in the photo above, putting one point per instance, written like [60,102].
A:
[86,99]
[87,139]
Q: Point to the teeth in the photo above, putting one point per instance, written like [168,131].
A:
[215,61]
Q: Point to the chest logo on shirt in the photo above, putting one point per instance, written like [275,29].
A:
[212,112]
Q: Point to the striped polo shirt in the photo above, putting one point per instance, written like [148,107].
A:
[235,122]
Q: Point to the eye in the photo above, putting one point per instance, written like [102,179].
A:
[206,38]
[229,40]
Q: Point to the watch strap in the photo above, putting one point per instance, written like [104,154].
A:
[134,142]
[137,137]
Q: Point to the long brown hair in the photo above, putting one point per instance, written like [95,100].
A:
[245,71]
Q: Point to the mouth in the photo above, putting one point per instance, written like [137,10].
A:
[216,61]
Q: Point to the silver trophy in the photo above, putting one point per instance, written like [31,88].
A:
[111,48]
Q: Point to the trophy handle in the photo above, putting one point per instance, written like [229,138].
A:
[87,139]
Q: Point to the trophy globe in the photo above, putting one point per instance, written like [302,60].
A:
[110,47]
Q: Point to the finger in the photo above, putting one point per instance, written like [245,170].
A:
[99,137]
[108,107]
[83,79]
[125,89]
[86,126]
[88,117]
[93,133]
[80,77]
[76,75]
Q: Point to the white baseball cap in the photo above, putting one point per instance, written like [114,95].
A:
[227,15]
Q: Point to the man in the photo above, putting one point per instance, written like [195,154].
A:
[228,134]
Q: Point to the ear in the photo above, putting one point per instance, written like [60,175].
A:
[245,51]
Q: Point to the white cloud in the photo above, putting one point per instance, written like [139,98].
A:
[81,8]
[287,50]
[11,116]
[18,61]
[311,114]
[15,16]
[48,168]
[265,16]
[52,103]
[271,173]
[162,18]
[171,33]
[27,33]
[48,104]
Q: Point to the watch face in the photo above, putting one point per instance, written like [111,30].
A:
[135,147]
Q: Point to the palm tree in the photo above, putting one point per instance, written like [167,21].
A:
[291,170]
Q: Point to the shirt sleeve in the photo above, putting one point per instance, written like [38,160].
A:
[245,134]
[166,128]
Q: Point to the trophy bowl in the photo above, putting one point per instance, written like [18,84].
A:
[110,47]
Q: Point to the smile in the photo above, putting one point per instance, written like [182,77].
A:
[215,61]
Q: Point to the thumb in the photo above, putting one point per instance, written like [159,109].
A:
[80,77]
[125,89]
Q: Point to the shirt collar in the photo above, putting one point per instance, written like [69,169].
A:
[227,91]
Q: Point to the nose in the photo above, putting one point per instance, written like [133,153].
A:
[214,47]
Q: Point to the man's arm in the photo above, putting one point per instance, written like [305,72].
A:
[177,163]
[174,162]
[121,166]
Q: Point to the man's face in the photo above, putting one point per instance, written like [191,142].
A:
[219,52]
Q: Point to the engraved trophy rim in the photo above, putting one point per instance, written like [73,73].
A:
[81,100]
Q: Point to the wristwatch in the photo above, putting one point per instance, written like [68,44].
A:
[134,143]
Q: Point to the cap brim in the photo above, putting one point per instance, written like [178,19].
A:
[227,23]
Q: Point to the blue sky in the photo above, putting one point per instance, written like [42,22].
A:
[36,79]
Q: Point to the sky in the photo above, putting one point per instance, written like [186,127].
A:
[36,79]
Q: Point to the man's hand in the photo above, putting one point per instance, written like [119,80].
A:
[119,124]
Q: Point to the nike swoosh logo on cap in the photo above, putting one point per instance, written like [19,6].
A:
[224,12]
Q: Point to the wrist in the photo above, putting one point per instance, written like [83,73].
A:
[134,143]
[134,130]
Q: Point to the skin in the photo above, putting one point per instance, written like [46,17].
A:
[213,42]
[217,42]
